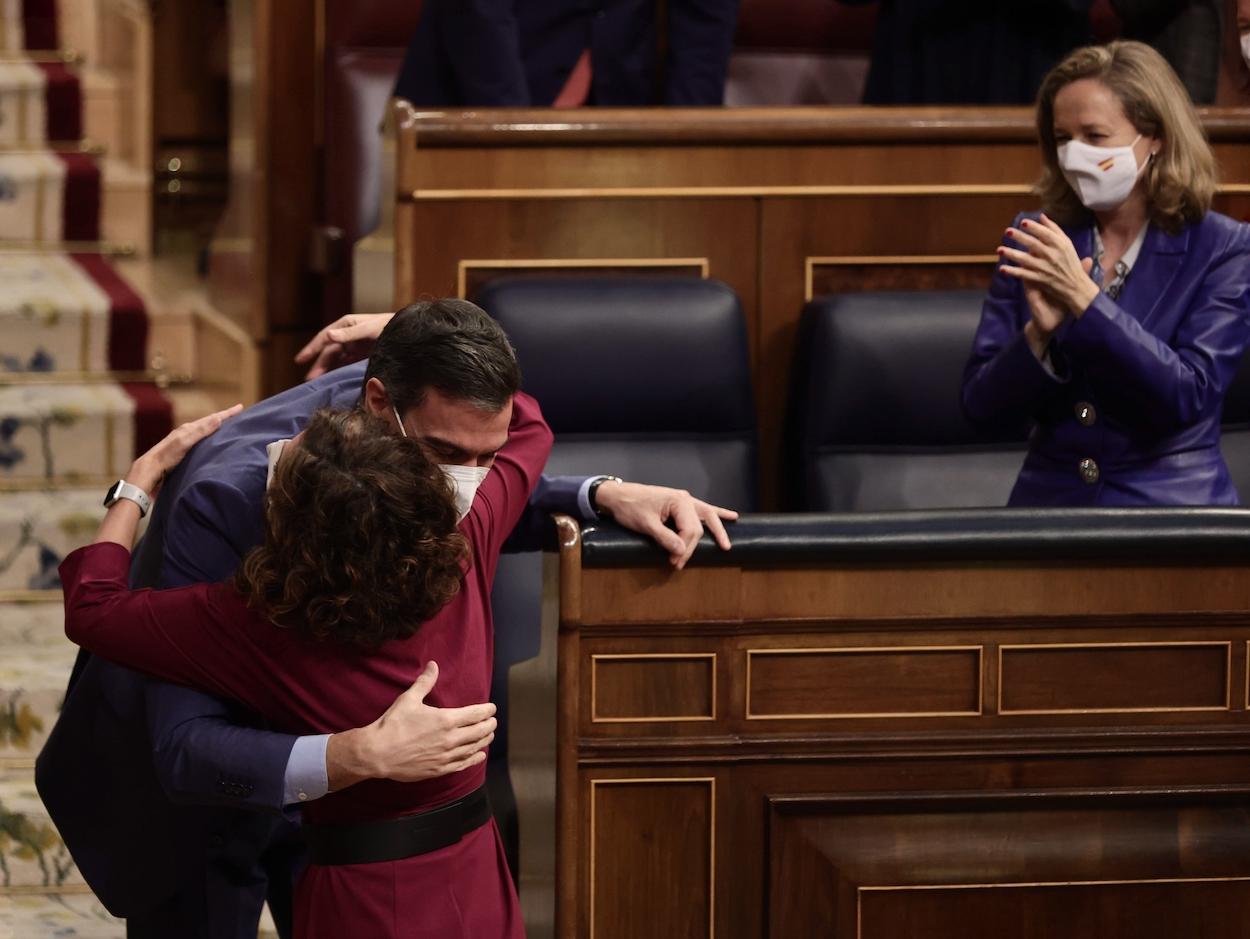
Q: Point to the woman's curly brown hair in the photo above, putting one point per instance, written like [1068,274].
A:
[361,544]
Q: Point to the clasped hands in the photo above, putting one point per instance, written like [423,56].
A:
[1056,281]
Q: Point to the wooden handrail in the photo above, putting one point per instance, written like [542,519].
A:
[685,126]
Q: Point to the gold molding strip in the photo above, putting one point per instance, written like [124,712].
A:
[1216,643]
[811,262]
[718,192]
[41,57]
[642,656]
[979,712]
[68,247]
[41,484]
[17,762]
[31,596]
[898,888]
[659,780]
[55,146]
[507,264]
[93,378]
[31,890]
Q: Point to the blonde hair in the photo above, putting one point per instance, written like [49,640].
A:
[1180,178]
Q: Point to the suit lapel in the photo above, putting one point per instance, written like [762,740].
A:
[1147,286]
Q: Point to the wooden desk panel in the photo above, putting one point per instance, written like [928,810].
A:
[880,750]
[781,204]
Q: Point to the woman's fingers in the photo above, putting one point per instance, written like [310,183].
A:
[1024,238]
[1023,258]
[1023,273]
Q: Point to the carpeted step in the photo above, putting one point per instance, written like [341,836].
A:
[68,313]
[37,530]
[35,662]
[64,432]
[63,914]
[28,24]
[35,857]
[40,102]
[46,198]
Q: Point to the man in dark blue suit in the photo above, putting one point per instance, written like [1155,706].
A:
[127,749]
[523,53]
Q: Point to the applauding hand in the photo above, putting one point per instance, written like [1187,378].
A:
[1049,263]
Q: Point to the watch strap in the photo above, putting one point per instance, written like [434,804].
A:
[592,493]
[124,490]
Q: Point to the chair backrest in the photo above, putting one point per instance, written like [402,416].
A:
[646,378]
[1235,435]
[876,419]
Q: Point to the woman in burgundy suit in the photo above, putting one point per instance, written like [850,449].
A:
[364,578]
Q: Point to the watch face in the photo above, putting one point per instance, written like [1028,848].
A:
[111,496]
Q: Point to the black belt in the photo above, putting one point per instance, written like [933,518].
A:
[398,838]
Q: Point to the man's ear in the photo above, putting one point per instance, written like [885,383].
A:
[377,401]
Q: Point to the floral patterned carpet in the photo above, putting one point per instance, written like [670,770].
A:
[75,406]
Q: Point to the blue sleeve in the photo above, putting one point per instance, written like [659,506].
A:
[552,496]
[203,749]
[1004,384]
[1163,386]
[482,39]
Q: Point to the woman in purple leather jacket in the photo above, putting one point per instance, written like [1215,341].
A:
[1118,316]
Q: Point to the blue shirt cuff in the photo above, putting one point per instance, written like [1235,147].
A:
[305,777]
[583,498]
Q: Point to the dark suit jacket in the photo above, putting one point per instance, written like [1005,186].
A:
[1154,364]
[519,53]
[970,51]
[108,797]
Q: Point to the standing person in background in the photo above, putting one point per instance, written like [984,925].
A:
[535,53]
[970,51]
[1185,32]
[1118,317]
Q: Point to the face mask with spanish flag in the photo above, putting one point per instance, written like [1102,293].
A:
[1102,177]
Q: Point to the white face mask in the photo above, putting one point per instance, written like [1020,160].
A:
[464,479]
[1102,177]
[274,452]
[1245,48]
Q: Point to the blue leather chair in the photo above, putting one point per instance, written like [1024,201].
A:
[876,421]
[646,378]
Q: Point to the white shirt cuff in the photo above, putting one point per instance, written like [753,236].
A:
[583,498]
[306,778]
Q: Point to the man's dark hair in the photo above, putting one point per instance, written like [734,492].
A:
[450,345]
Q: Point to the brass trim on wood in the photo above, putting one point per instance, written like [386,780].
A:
[505,264]
[31,596]
[33,890]
[1228,676]
[895,888]
[810,263]
[17,762]
[642,656]
[722,192]
[979,712]
[658,780]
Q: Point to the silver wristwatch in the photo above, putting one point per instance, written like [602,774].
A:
[124,490]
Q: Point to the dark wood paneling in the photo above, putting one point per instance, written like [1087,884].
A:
[650,863]
[1121,677]
[1039,864]
[1074,911]
[836,683]
[653,686]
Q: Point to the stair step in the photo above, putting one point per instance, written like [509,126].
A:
[49,197]
[126,204]
[74,914]
[37,530]
[34,669]
[49,431]
[39,859]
